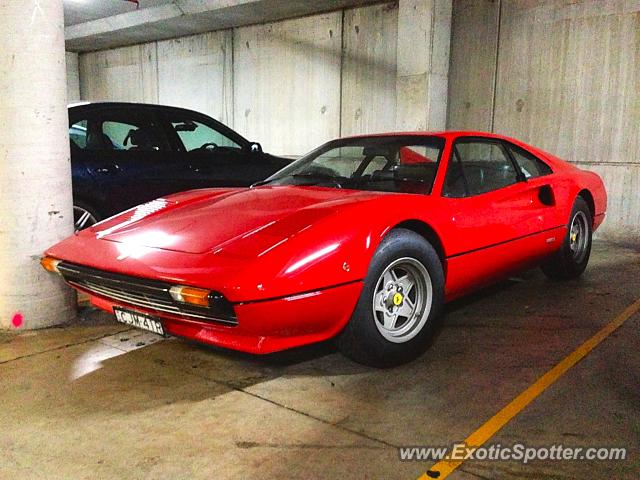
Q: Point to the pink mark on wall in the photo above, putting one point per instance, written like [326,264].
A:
[17,319]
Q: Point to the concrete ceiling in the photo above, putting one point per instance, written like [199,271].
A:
[81,11]
[100,24]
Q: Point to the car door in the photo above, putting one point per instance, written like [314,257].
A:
[539,185]
[134,162]
[502,220]
[214,155]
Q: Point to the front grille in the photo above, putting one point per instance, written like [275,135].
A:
[150,294]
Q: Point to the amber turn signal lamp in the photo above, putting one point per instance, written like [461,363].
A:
[190,295]
[50,264]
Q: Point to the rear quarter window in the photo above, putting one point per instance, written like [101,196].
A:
[530,165]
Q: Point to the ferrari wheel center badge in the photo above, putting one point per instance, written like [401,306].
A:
[397,299]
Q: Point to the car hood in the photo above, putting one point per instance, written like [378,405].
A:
[210,220]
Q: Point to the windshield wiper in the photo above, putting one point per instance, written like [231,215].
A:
[312,175]
[312,178]
[305,175]
[261,182]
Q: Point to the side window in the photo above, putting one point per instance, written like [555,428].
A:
[342,161]
[530,165]
[78,134]
[478,167]
[118,134]
[196,135]
[131,134]
[376,164]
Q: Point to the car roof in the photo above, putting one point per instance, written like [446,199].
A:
[442,133]
[454,134]
[98,105]
[81,107]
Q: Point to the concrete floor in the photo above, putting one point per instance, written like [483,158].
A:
[97,400]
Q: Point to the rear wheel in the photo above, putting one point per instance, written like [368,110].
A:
[401,299]
[572,259]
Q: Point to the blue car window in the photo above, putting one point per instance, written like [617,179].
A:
[78,134]
[195,136]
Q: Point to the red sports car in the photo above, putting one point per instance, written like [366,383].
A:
[363,239]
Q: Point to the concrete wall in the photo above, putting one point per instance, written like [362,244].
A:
[293,84]
[128,74]
[195,72]
[568,81]
[287,82]
[370,38]
[73,77]
[474,42]
[424,30]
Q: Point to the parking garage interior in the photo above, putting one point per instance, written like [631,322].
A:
[526,361]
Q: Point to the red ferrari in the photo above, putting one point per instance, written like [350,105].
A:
[363,239]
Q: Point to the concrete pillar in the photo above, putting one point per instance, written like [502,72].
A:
[35,179]
[424,33]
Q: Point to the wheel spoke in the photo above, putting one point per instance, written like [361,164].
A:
[387,278]
[406,309]
[82,220]
[379,308]
[390,321]
[407,283]
[378,302]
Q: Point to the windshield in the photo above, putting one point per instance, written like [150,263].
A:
[405,164]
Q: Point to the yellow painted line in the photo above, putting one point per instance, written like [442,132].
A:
[444,468]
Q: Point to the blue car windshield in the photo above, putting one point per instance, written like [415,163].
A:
[405,164]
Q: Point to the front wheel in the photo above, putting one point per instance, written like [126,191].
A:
[571,260]
[401,299]
[84,216]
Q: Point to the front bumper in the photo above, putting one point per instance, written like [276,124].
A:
[269,315]
[264,326]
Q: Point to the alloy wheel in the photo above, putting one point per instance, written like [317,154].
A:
[402,300]
[579,237]
[82,218]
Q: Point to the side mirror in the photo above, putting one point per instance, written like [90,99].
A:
[185,127]
[255,147]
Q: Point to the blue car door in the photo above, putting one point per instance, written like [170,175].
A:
[132,159]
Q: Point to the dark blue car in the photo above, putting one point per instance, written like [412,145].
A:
[124,154]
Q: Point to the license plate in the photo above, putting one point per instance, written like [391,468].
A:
[138,320]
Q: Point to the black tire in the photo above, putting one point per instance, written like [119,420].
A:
[362,340]
[565,264]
